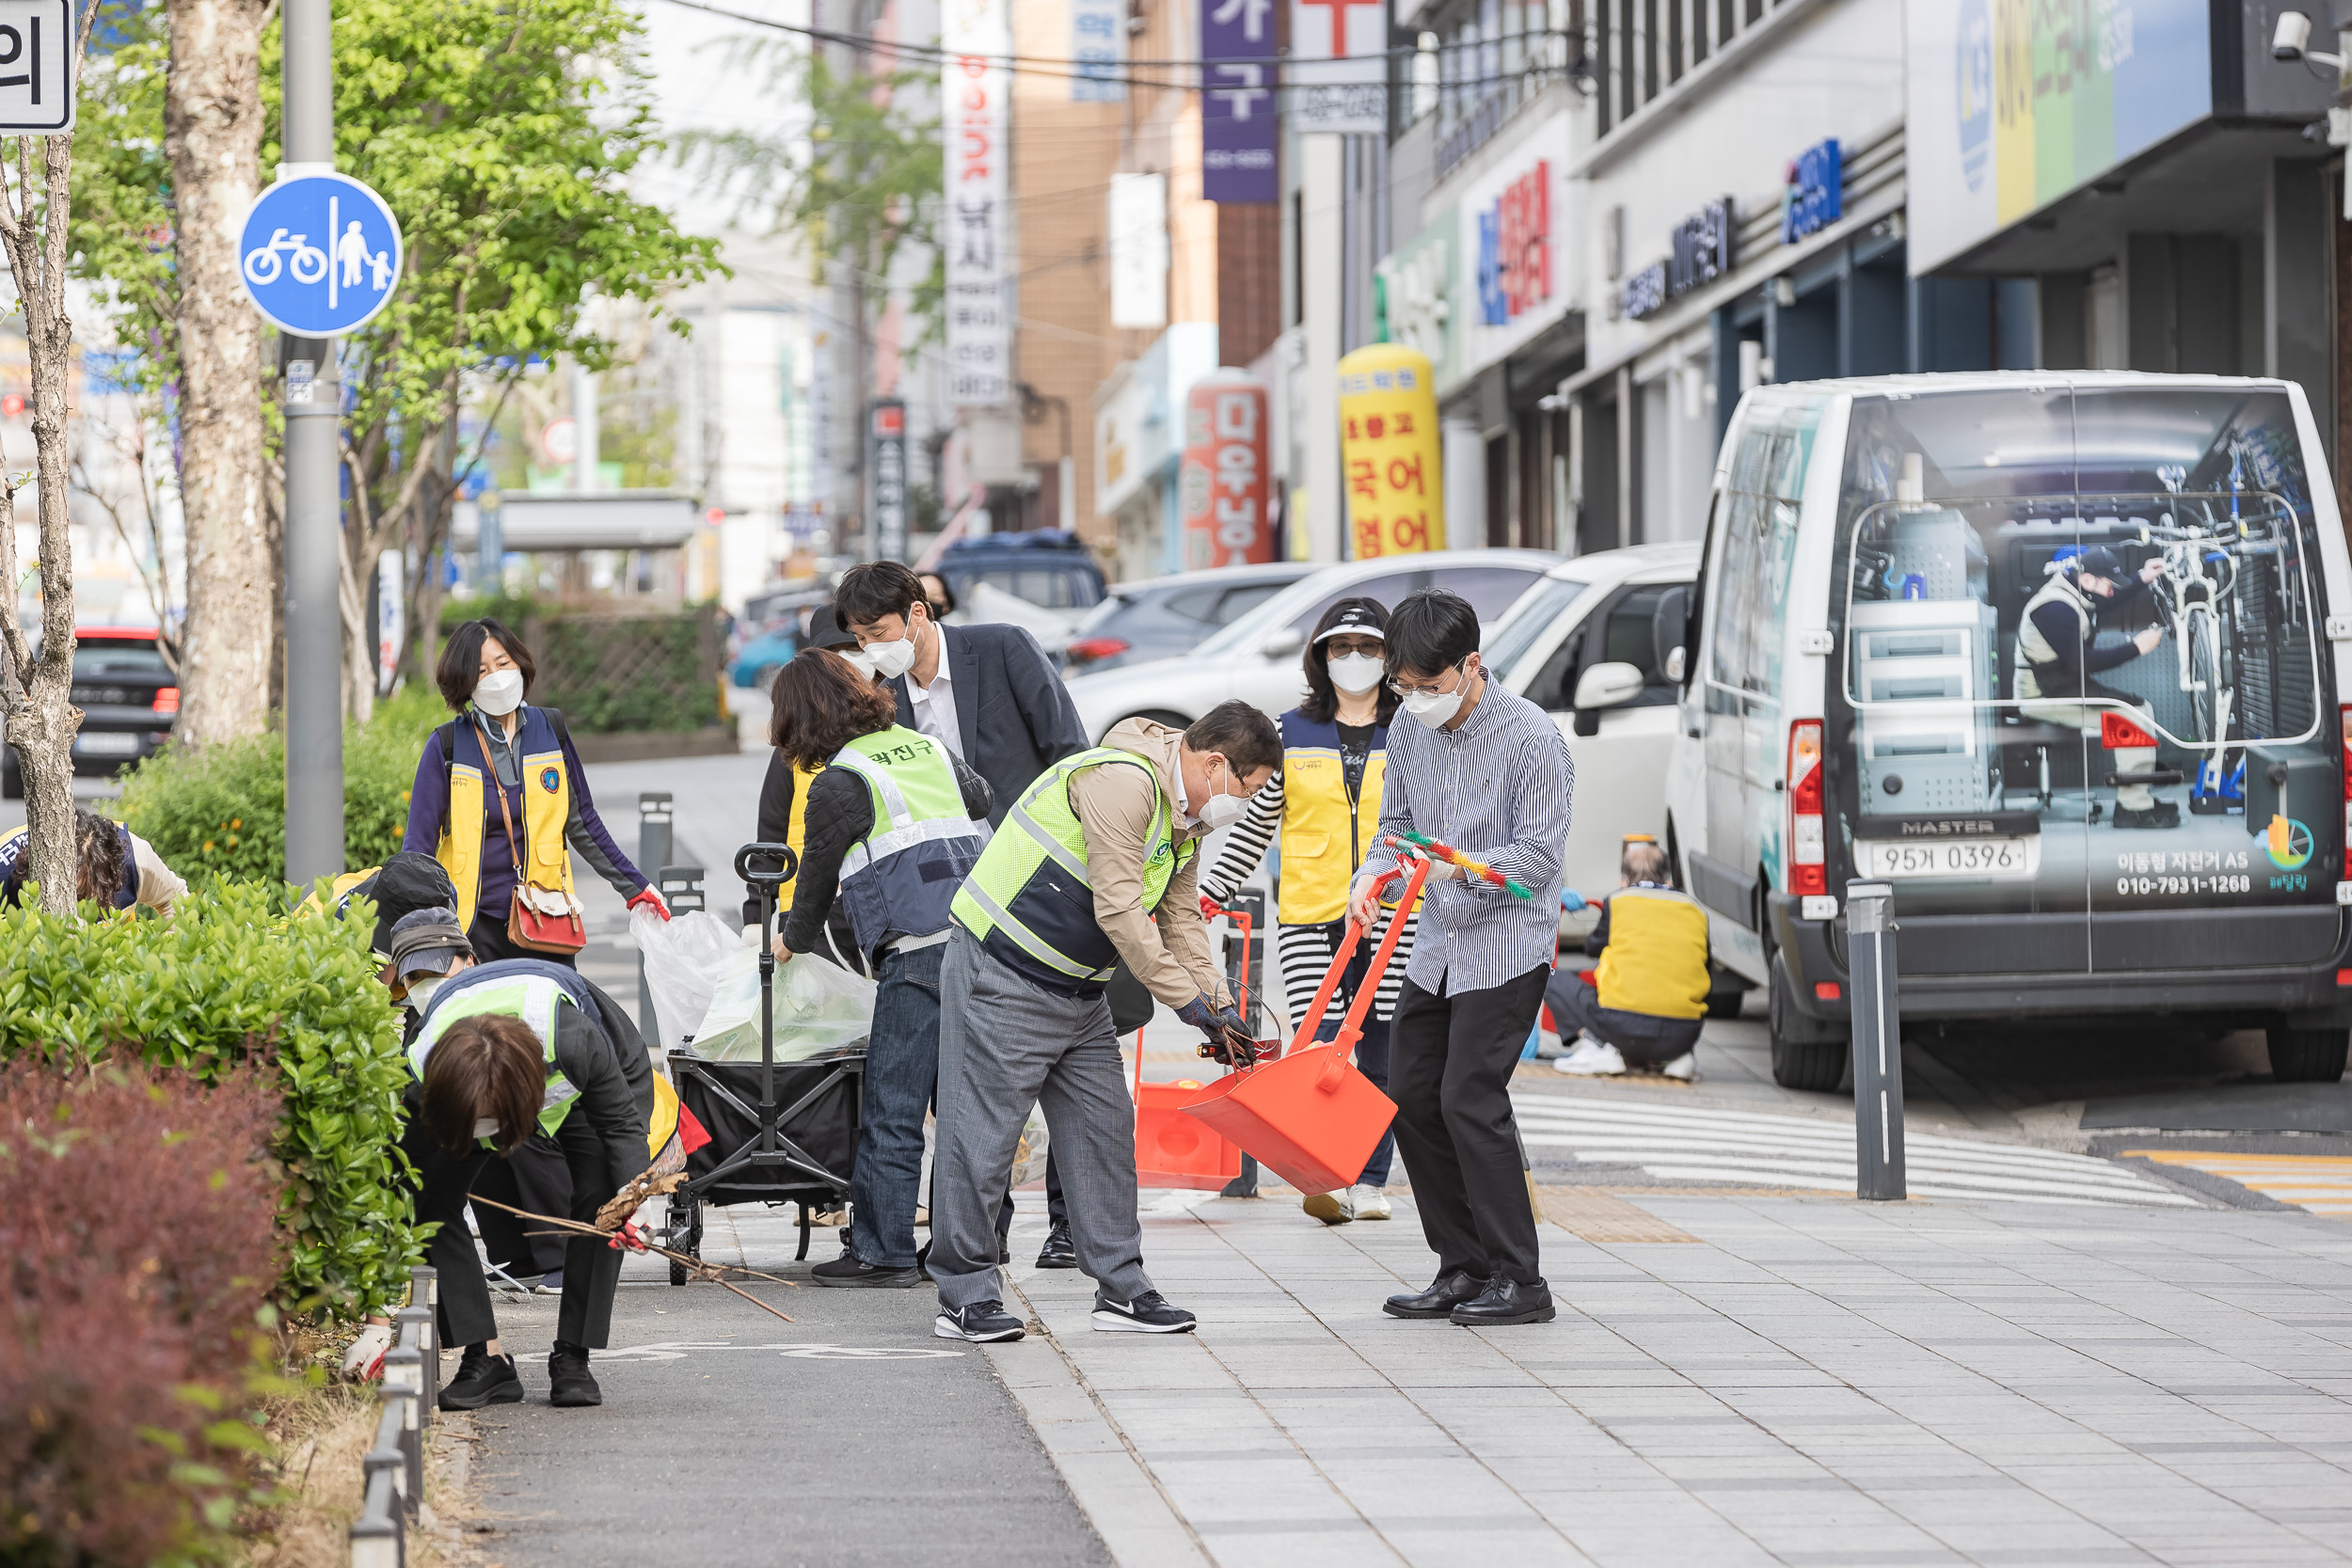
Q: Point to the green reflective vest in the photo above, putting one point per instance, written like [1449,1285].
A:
[899,879]
[533,999]
[1030,900]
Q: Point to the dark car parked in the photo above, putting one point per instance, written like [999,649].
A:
[1162,617]
[1047,567]
[128,699]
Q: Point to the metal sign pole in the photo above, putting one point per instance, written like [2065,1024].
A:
[653,853]
[313,397]
[1878,1042]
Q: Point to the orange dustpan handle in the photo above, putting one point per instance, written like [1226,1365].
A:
[1352,1027]
[1354,934]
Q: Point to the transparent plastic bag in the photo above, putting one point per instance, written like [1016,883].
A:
[820,1008]
[685,956]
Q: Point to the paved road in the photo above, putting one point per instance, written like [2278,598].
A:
[850,1436]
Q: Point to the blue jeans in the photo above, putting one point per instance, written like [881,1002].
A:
[1371,1057]
[901,1075]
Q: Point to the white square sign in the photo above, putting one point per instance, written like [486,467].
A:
[36,67]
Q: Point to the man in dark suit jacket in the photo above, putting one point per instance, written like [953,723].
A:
[988,693]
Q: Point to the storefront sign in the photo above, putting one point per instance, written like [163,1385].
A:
[1223,482]
[1416,285]
[1139,244]
[1098,51]
[886,428]
[1515,248]
[1337,78]
[1701,254]
[975,91]
[1814,195]
[2010,106]
[1239,125]
[1390,451]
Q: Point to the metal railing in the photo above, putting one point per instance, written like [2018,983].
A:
[392,1473]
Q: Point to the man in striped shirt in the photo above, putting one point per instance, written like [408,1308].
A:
[1483,769]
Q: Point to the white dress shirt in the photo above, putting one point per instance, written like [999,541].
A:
[934,705]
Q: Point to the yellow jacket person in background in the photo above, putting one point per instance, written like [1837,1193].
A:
[1650,995]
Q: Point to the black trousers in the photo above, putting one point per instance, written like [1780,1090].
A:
[532,1177]
[592,1269]
[1450,1062]
[1643,1039]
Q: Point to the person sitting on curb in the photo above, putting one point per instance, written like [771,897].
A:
[1651,996]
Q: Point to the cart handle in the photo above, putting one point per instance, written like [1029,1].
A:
[787,858]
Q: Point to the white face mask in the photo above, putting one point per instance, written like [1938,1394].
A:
[501,694]
[1437,708]
[421,989]
[486,1127]
[1221,808]
[861,661]
[1354,674]
[893,659]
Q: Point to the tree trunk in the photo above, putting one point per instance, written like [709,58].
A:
[212,138]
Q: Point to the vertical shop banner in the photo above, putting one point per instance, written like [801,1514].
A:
[886,453]
[1098,51]
[2010,106]
[1416,285]
[1240,127]
[1390,452]
[1137,227]
[1337,76]
[977,93]
[1223,484]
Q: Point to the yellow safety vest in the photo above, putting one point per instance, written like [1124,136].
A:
[1656,960]
[795,834]
[1323,841]
[547,859]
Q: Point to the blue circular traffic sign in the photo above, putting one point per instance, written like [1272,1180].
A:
[320,254]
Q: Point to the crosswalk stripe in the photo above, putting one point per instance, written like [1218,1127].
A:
[2321,1184]
[1818,1155]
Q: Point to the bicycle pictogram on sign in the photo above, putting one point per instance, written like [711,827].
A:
[320,254]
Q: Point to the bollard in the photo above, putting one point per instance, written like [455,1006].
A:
[386,1458]
[412,1325]
[1878,1042]
[654,819]
[423,1296]
[1251,902]
[404,1391]
[376,1535]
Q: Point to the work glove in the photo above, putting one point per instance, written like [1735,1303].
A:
[650,898]
[1233,1044]
[364,1361]
[1571,901]
[1210,908]
[630,1237]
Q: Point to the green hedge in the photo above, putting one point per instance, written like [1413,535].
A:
[239,973]
[223,808]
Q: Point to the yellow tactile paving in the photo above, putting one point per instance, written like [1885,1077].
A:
[2321,1184]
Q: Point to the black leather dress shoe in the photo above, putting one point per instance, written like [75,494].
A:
[1057,1252]
[1449,1291]
[1507,1301]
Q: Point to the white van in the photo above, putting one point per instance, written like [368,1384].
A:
[1881,561]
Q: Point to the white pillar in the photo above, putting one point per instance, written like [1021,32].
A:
[1320,257]
[1465,452]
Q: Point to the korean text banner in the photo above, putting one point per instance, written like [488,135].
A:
[1222,485]
[977,98]
[1098,51]
[1239,125]
[2013,105]
[1390,452]
[1338,72]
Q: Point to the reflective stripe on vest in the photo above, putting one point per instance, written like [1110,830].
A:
[1321,846]
[899,878]
[547,808]
[1656,960]
[531,998]
[1030,899]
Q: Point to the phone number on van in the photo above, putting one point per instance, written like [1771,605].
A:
[2153,885]
[1958,857]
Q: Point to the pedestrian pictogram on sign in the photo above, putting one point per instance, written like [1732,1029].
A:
[320,253]
[36,67]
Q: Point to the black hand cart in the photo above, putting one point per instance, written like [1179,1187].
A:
[780,1132]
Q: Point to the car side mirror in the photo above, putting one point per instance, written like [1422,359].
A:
[1283,643]
[1668,630]
[1673,666]
[1607,685]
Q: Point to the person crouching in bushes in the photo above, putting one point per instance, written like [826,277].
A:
[118,868]
[507,1051]
[1651,999]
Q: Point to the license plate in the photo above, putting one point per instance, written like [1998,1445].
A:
[104,745]
[1951,857]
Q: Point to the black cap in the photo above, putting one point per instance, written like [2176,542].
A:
[2100,561]
[410,880]
[427,942]
[824,630]
[1359,619]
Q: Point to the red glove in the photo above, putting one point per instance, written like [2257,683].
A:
[630,1238]
[1209,908]
[651,898]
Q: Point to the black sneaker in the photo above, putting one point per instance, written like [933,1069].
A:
[482,1379]
[981,1322]
[1149,1313]
[849,1271]
[1057,1252]
[568,1383]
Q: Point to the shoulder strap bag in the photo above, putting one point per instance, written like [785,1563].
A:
[529,926]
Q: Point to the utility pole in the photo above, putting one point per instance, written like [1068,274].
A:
[313,405]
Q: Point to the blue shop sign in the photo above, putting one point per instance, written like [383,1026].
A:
[1813,196]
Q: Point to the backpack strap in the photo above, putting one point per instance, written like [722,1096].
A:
[447,734]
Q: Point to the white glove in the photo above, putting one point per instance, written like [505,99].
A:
[364,1361]
[750,938]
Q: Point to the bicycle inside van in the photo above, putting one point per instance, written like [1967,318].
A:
[2058,655]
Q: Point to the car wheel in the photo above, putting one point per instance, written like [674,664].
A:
[1161,715]
[2307,1056]
[1801,1060]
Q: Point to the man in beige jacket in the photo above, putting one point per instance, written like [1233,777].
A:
[1090,856]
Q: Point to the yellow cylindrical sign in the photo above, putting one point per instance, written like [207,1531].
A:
[1390,451]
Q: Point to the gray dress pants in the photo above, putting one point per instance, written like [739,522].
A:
[1005,1044]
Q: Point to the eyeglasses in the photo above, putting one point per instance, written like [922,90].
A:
[1404,691]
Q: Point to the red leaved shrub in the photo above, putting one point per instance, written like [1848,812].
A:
[137,1242]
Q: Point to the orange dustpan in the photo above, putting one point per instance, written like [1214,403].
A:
[1310,1117]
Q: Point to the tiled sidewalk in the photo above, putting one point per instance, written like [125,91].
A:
[1802,1381]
